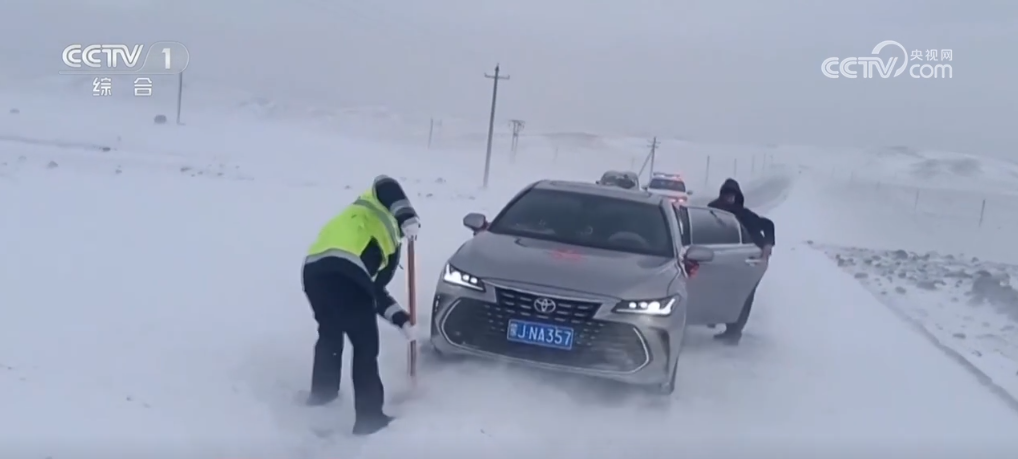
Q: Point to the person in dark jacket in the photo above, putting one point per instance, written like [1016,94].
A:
[345,276]
[760,229]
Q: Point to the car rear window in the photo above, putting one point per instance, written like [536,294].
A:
[587,220]
[666,184]
[711,226]
[619,179]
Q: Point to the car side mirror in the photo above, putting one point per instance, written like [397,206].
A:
[690,193]
[699,254]
[645,187]
[475,221]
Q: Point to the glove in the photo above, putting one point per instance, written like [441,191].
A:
[411,227]
[409,331]
[400,318]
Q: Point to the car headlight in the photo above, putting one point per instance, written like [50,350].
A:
[462,279]
[658,307]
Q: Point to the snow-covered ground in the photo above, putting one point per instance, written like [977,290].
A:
[912,227]
[966,304]
[151,301]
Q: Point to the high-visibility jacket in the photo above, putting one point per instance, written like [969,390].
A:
[366,239]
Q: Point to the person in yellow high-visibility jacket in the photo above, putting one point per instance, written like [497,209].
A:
[345,276]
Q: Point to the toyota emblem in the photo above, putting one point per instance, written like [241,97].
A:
[544,305]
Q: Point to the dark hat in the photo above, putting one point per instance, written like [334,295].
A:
[731,186]
[391,195]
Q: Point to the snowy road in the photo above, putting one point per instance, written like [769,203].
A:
[170,312]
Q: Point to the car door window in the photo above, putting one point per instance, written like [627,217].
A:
[711,226]
[682,215]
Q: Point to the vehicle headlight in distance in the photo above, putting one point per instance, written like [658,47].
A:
[658,307]
[462,279]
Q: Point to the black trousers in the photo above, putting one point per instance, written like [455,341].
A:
[343,308]
[740,323]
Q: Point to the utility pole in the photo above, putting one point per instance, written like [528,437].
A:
[431,132]
[517,126]
[649,159]
[491,121]
[653,154]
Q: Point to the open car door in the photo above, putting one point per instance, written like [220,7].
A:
[721,286]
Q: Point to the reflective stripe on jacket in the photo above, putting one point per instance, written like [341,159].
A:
[349,233]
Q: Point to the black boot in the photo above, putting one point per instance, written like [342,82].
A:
[325,373]
[733,331]
[321,399]
[368,425]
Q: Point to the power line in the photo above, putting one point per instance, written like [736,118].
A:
[491,120]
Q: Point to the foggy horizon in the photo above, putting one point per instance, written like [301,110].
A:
[733,72]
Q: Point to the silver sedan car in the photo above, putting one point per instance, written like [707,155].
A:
[627,180]
[593,280]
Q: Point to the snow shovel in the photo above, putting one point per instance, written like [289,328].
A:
[411,275]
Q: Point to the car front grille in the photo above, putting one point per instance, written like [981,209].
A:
[567,312]
[597,345]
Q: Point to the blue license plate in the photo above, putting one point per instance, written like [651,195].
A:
[539,334]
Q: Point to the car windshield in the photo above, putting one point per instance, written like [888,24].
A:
[667,184]
[587,220]
[610,180]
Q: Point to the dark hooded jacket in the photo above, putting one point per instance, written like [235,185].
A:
[760,229]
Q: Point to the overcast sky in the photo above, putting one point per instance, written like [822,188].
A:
[718,70]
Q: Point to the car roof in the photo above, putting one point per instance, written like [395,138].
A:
[600,190]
